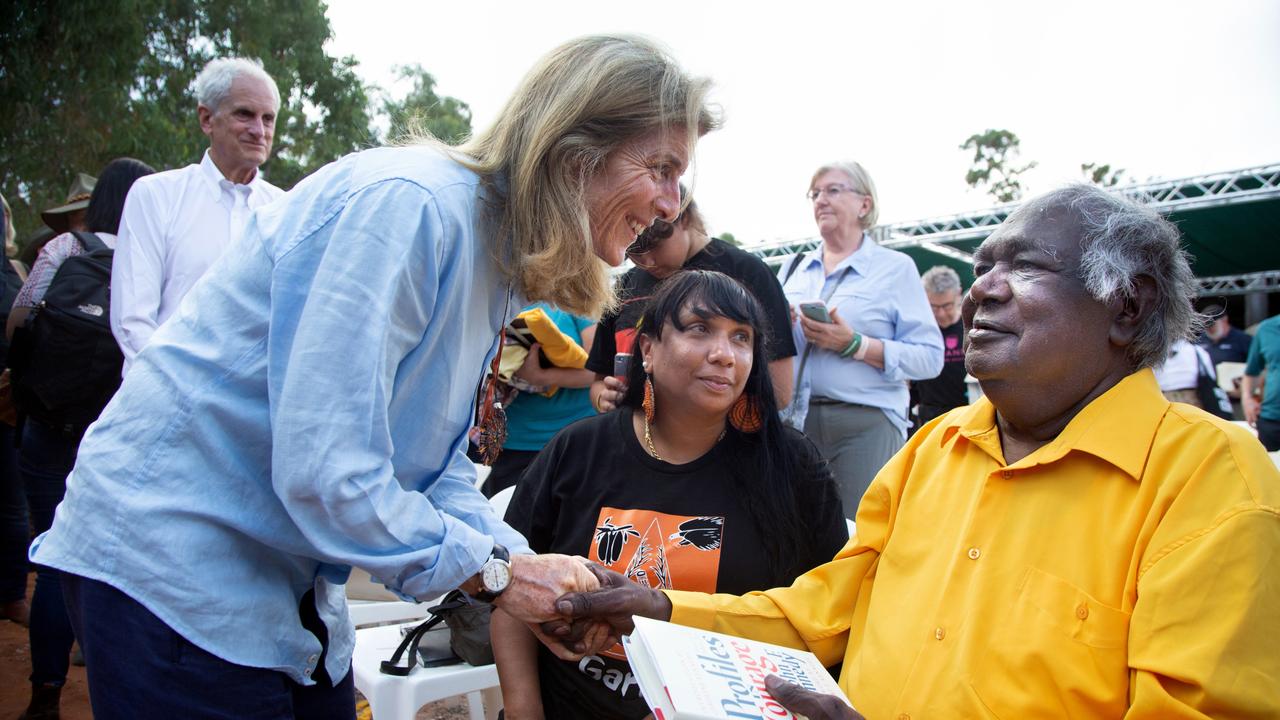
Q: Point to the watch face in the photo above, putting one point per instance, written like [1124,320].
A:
[495,575]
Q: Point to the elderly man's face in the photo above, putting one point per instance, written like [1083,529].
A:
[1032,326]
[242,128]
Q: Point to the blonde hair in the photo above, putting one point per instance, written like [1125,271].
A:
[577,105]
[861,180]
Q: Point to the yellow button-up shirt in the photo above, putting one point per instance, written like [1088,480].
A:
[1128,568]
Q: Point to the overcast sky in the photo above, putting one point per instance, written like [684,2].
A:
[1166,89]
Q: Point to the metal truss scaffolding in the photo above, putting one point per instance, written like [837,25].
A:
[947,236]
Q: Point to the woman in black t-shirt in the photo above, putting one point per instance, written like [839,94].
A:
[692,484]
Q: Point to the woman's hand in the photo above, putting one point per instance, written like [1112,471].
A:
[812,705]
[834,336]
[610,395]
[531,371]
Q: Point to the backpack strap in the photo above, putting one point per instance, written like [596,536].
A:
[89,241]
[791,269]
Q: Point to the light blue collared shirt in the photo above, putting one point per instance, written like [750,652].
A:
[304,411]
[880,297]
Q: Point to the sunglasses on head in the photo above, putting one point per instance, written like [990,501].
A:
[652,236]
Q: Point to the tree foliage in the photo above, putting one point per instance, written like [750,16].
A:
[84,82]
[995,153]
[446,118]
[1101,175]
[729,238]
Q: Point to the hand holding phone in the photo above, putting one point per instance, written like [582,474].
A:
[816,311]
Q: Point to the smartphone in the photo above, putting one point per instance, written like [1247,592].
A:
[815,311]
[621,366]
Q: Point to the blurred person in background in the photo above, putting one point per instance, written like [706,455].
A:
[1261,398]
[878,333]
[932,398]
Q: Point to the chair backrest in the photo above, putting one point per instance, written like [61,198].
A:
[502,500]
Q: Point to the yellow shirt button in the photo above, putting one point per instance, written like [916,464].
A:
[1082,611]
[974,553]
[1006,474]
[940,633]
[904,716]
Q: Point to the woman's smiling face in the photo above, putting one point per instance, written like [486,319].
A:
[701,362]
[639,182]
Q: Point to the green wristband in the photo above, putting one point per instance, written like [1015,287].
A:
[854,344]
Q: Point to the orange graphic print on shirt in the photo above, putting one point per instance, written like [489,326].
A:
[679,552]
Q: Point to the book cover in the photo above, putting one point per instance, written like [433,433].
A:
[690,674]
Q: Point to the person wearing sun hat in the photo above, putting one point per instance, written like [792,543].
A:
[70,215]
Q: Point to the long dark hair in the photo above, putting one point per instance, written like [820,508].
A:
[106,204]
[765,465]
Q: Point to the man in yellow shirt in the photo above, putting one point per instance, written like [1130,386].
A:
[1071,545]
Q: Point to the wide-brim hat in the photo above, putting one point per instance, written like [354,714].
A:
[77,199]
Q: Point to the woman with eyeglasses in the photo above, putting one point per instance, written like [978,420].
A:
[662,250]
[863,327]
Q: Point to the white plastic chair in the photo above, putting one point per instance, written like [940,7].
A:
[393,697]
[399,698]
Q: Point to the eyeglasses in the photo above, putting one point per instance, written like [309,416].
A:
[945,305]
[832,191]
[651,238]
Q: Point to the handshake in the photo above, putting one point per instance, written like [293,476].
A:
[574,606]
[578,608]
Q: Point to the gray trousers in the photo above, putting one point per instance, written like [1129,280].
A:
[857,440]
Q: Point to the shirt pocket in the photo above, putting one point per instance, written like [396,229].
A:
[865,312]
[1055,651]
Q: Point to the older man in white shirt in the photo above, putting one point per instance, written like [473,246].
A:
[177,223]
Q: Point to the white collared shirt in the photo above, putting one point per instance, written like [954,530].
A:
[175,225]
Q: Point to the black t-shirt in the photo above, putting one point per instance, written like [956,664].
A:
[594,491]
[617,329]
[1233,347]
[946,391]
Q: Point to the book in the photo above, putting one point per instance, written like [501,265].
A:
[690,674]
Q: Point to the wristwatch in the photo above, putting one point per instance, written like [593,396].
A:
[495,575]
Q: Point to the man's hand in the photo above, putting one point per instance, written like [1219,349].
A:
[834,336]
[594,621]
[611,396]
[538,580]
[812,705]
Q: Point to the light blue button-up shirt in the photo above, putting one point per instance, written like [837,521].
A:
[304,411]
[880,297]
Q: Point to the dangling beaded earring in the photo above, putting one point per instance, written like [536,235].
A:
[745,414]
[648,398]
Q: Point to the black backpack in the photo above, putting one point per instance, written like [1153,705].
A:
[65,361]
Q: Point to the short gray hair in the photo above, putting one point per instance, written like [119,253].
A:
[1122,241]
[862,182]
[213,84]
[939,279]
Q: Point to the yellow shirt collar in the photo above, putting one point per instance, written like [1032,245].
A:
[1118,427]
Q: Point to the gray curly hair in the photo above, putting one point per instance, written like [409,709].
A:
[1122,241]
[213,84]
